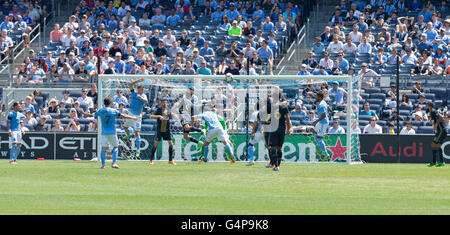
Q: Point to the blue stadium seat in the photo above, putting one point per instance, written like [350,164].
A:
[425,130]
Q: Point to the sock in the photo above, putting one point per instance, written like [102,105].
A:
[440,155]
[138,144]
[206,149]
[17,152]
[152,154]
[12,153]
[192,139]
[115,152]
[321,144]
[103,157]
[434,155]
[196,129]
[251,150]
[279,157]
[170,153]
[229,149]
[272,156]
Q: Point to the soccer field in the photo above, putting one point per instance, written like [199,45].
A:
[65,187]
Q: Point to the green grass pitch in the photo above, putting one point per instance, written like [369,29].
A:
[66,187]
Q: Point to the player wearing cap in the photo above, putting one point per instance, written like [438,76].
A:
[108,132]
[440,134]
[138,100]
[15,132]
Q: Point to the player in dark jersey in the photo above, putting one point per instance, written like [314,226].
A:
[440,134]
[163,116]
[276,123]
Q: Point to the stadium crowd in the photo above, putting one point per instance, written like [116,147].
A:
[18,18]
[165,37]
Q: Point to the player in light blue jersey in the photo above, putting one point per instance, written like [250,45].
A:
[15,133]
[321,124]
[108,131]
[215,130]
[138,100]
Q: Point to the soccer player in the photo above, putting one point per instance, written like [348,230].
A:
[108,131]
[163,116]
[321,124]
[15,133]
[276,123]
[256,136]
[440,134]
[215,130]
[138,100]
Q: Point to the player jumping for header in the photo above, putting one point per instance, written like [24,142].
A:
[108,131]
[138,100]
[215,130]
[440,134]
[15,132]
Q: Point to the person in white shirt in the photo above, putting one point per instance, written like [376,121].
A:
[85,100]
[349,47]
[408,130]
[373,127]
[367,75]
[355,35]
[335,46]
[336,128]
[326,62]
[168,39]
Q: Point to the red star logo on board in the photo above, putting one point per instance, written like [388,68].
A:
[338,150]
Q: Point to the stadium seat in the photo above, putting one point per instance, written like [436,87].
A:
[425,130]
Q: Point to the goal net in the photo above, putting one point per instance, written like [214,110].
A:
[237,99]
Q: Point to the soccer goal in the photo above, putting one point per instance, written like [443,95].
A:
[237,99]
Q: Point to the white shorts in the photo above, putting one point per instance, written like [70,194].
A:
[136,124]
[16,138]
[321,129]
[110,140]
[258,137]
[220,134]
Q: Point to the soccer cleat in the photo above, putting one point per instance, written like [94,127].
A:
[199,145]
[102,167]
[276,169]
[138,154]
[151,163]
[250,164]
[430,164]
[269,166]
[440,164]
[326,157]
[232,160]
[172,163]
[200,159]
[115,166]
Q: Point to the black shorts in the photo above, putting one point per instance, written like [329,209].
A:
[164,135]
[274,139]
[439,137]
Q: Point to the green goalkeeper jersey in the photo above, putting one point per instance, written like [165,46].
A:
[221,120]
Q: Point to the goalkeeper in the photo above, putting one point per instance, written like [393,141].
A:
[215,129]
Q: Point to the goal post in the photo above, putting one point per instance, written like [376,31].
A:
[235,98]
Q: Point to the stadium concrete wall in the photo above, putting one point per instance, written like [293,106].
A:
[297,148]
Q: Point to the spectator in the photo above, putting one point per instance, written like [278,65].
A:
[184,40]
[349,47]
[367,112]
[53,107]
[57,126]
[234,51]
[206,51]
[303,70]
[232,69]
[335,46]
[364,46]
[198,39]
[408,130]
[235,30]
[29,119]
[42,126]
[373,127]
[85,100]
[417,88]
[203,70]
[336,128]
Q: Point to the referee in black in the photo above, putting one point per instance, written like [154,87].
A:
[276,123]
[440,134]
